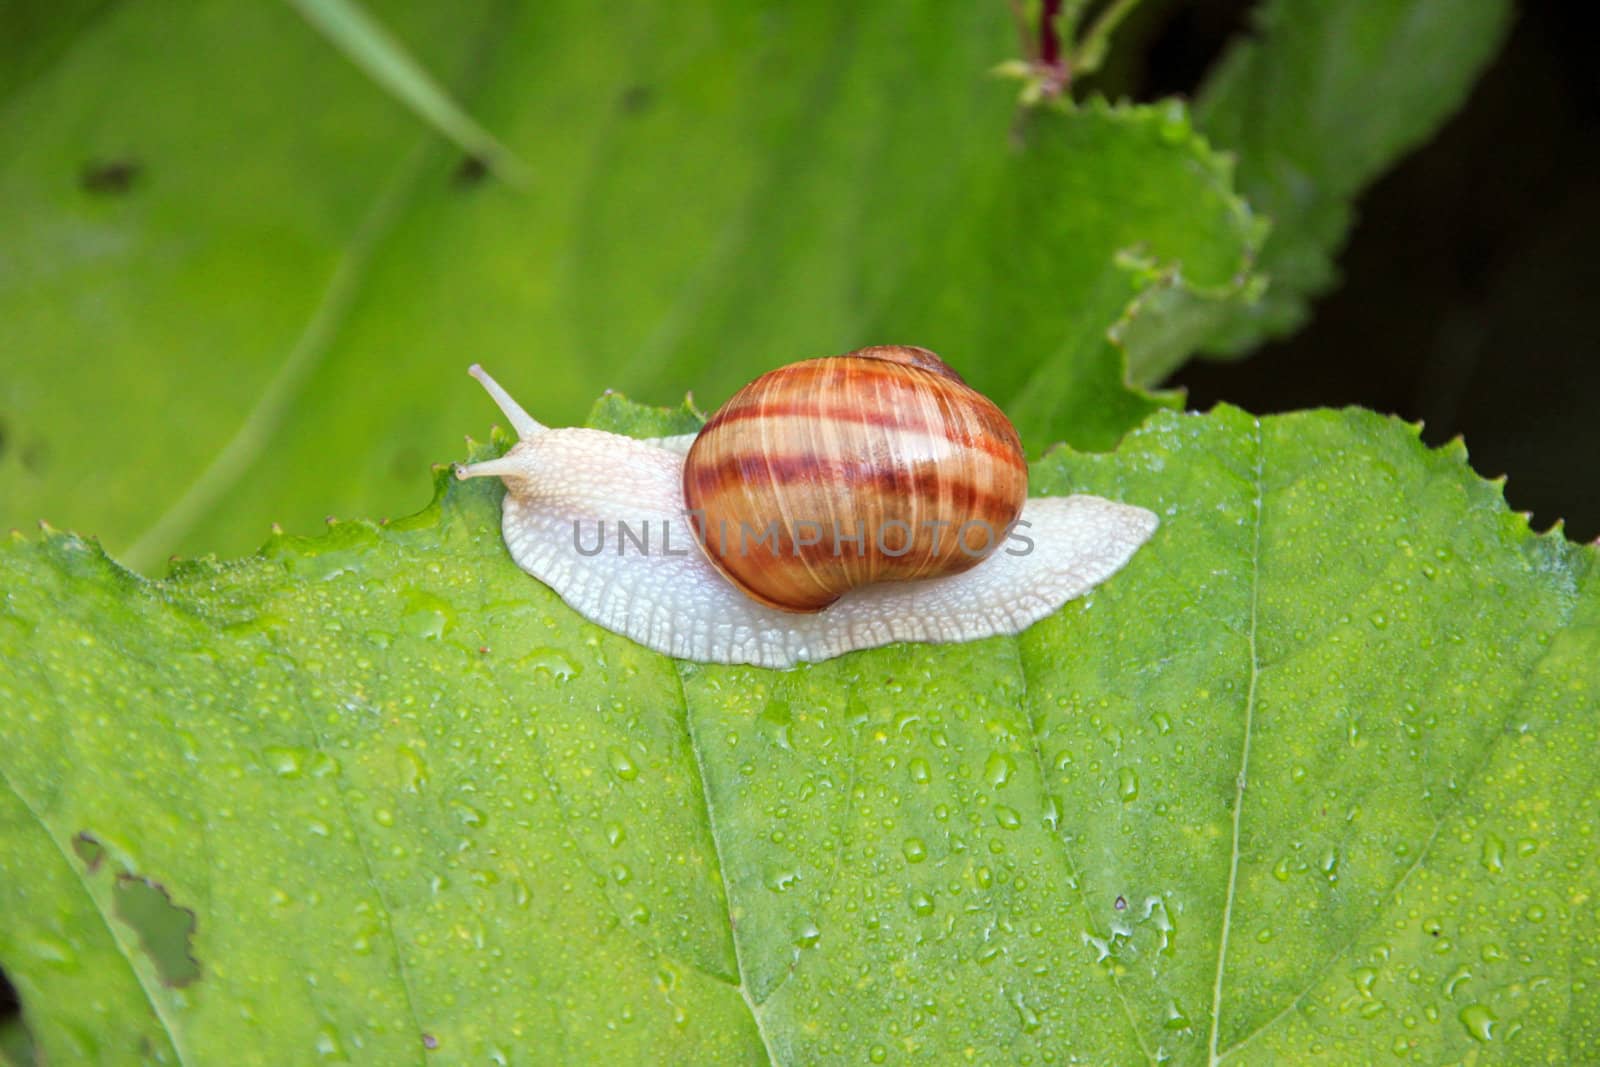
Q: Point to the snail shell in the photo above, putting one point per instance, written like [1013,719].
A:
[877,465]
[564,484]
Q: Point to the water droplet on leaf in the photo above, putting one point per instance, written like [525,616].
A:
[1479,1021]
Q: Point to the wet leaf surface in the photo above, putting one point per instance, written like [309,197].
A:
[1312,779]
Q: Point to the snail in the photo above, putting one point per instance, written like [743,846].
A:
[830,505]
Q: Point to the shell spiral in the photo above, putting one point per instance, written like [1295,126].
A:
[829,474]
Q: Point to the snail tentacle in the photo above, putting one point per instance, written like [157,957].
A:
[524,424]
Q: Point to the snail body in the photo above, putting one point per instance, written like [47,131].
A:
[626,530]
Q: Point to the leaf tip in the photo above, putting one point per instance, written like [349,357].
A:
[1455,448]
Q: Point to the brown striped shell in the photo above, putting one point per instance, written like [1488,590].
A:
[828,474]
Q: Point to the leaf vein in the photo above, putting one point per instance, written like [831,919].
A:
[1457,798]
[1240,780]
[756,1015]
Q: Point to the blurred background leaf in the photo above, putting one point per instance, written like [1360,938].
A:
[264,277]
[263,268]
[1463,296]
[1319,101]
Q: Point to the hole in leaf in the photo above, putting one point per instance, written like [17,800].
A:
[111,177]
[471,171]
[89,850]
[163,927]
[35,456]
[635,98]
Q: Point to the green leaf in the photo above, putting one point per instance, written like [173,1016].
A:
[617,414]
[260,301]
[1285,789]
[35,35]
[1324,98]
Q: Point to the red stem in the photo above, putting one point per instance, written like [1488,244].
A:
[1049,43]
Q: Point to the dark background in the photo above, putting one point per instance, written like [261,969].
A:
[1469,274]
[1467,279]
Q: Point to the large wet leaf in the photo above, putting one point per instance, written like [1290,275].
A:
[236,273]
[1313,778]
[1318,102]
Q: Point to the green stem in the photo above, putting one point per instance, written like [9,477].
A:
[1071,15]
[380,55]
[1091,51]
